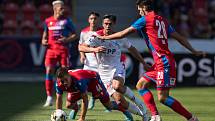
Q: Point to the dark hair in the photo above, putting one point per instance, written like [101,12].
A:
[94,13]
[147,3]
[61,72]
[110,16]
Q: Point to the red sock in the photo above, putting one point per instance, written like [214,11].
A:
[177,107]
[49,85]
[149,101]
[121,108]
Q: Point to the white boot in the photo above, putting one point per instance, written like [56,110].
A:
[49,102]
[194,118]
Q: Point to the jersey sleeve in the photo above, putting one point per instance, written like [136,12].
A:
[139,24]
[170,29]
[126,43]
[70,26]
[81,40]
[58,89]
[82,86]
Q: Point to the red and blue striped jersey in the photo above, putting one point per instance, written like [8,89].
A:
[155,30]
[57,28]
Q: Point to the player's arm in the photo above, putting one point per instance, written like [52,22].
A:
[45,36]
[87,49]
[183,41]
[70,38]
[118,35]
[83,106]
[59,101]
[82,57]
[82,54]
[134,52]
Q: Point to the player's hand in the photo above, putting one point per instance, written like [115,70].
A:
[62,39]
[99,49]
[45,42]
[82,59]
[146,66]
[199,53]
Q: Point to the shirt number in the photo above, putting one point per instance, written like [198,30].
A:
[160,75]
[161,29]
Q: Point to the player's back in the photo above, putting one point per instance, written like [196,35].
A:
[155,30]
[80,74]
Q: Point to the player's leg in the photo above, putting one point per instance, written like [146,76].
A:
[142,86]
[49,83]
[175,105]
[112,105]
[107,91]
[91,103]
[118,85]
[71,103]
[120,100]
[166,77]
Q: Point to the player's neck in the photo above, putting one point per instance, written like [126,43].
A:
[57,16]
[93,28]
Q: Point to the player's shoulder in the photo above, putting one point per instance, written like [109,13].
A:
[100,32]
[86,29]
[51,18]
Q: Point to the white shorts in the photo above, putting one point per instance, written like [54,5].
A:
[92,68]
[107,75]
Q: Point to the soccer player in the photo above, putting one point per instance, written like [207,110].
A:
[79,82]
[58,32]
[156,30]
[111,69]
[89,59]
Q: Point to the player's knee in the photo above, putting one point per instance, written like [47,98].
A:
[50,70]
[142,83]
[68,105]
[162,99]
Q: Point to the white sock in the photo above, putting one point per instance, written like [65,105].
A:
[49,97]
[134,109]
[130,95]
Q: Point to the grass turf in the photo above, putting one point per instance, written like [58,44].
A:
[23,102]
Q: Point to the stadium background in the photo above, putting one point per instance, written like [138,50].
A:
[22,55]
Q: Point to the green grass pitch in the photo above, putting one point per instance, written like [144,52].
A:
[23,102]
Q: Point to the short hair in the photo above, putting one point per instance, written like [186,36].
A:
[147,3]
[57,2]
[110,16]
[61,72]
[94,13]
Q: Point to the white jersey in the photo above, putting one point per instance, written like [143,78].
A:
[90,63]
[109,64]
[111,57]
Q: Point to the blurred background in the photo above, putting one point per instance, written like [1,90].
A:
[22,55]
[21,26]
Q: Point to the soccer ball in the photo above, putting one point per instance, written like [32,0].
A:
[58,115]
